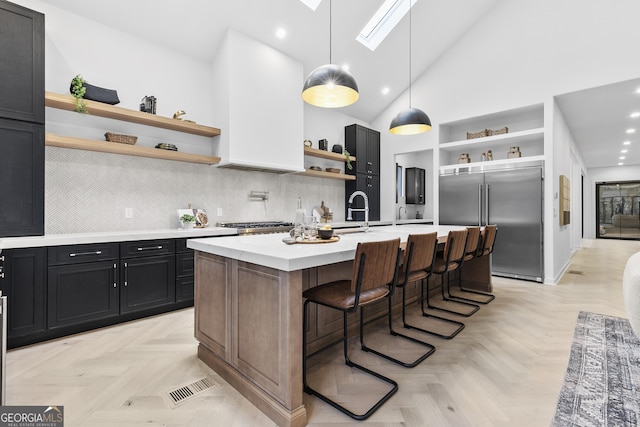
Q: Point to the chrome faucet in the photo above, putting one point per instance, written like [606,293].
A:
[400,211]
[365,210]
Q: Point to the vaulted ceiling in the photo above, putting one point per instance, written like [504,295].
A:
[196,27]
[597,117]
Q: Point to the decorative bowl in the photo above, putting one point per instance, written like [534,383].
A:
[325,234]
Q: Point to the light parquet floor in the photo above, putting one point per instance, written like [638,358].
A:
[505,369]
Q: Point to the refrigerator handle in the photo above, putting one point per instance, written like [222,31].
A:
[486,206]
[479,205]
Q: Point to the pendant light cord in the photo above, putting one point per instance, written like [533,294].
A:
[330,31]
[410,53]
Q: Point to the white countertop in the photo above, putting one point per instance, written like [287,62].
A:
[111,236]
[270,251]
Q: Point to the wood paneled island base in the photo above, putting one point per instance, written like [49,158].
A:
[248,311]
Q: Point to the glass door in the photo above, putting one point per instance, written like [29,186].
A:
[618,210]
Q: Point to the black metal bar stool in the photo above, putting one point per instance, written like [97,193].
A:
[479,244]
[452,259]
[375,274]
[418,268]
[418,256]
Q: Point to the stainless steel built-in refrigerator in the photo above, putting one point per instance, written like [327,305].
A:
[510,198]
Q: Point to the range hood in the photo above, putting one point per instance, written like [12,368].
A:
[257,101]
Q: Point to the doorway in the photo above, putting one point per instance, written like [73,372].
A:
[618,210]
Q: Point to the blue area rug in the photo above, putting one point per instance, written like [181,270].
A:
[602,384]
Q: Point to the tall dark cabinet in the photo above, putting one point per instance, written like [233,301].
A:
[21,121]
[414,186]
[364,144]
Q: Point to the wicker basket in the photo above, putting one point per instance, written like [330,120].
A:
[122,139]
[473,135]
[497,132]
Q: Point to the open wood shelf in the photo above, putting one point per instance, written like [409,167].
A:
[324,154]
[331,175]
[130,150]
[66,102]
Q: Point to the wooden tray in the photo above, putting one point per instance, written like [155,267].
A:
[290,241]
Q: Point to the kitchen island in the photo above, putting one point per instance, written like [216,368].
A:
[248,309]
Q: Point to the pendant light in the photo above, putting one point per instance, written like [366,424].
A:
[410,121]
[330,86]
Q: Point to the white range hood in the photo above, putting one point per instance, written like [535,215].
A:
[257,102]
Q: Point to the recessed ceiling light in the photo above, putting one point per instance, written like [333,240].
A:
[311,4]
[620,164]
[281,33]
[622,157]
[385,90]
[624,151]
[631,130]
[383,22]
[638,90]
[634,115]
[626,143]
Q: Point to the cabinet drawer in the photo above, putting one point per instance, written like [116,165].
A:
[76,254]
[184,264]
[146,248]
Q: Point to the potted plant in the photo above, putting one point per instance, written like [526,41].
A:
[78,91]
[347,159]
[187,220]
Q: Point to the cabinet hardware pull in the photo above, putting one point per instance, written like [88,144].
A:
[115,266]
[1,275]
[86,253]
[126,274]
[2,258]
[148,248]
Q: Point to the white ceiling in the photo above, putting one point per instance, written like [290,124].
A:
[597,117]
[196,27]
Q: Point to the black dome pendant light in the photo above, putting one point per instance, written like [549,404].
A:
[330,86]
[410,121]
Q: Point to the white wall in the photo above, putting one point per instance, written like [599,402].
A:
[420,159]
[522,53]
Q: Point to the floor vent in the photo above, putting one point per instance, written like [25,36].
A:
[183,393]
[575,272]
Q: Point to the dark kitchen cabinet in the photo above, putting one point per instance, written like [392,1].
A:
[21,63]
[364,144]
[184,272]
[22,281]
[21,121]
[82,284]
[148,275]
[21,178]
[415,183]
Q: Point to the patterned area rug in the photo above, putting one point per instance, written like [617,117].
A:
[602,384]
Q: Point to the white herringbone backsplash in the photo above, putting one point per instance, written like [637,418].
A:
[88,192]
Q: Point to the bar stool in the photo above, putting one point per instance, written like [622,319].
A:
[421,265]
[452,259]
[418,256]
[375,274]
[477,244]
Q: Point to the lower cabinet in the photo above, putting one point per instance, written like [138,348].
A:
[184,272]
[82,283]
[148,275]
[22,281]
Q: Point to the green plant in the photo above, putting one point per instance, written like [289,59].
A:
[347,158]
[186,218]
[77,91]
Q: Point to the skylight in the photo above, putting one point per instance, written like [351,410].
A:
[383,21]
[311,4]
